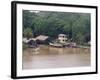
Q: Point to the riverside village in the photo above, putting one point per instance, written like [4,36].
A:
[60,42]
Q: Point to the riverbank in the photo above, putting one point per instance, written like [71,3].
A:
[25,46]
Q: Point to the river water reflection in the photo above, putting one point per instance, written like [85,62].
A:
[51,57]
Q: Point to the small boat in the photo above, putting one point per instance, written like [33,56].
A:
[35,49]
[71,44]
[56,44]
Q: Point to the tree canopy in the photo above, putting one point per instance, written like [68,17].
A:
[75,25]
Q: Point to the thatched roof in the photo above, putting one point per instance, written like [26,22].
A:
[42,37]
[34,39]
[25,40]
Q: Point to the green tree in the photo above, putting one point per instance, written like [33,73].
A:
[27,33]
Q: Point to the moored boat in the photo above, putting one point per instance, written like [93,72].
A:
[56,44]
[36,49]
[63,45]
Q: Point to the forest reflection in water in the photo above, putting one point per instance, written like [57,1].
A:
[52,57]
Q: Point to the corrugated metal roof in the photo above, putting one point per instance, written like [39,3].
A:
[61,35]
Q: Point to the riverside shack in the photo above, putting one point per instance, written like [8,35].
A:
[42,39]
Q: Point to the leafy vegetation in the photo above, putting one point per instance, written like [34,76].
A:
[75,25]
[27,32]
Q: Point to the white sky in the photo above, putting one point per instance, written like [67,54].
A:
[34,11]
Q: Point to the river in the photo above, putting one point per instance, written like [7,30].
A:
[51,57]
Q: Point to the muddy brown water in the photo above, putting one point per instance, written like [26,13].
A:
[51,57]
